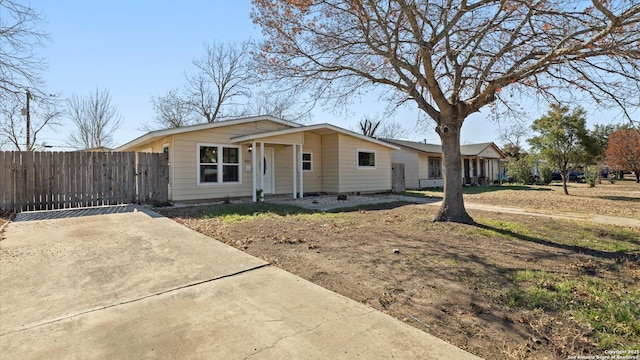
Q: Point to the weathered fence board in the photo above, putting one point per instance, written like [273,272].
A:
[397,177]
[59,180]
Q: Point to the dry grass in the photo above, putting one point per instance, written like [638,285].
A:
[619,199]
[514,286]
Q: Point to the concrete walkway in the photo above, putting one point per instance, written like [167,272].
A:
[133,284]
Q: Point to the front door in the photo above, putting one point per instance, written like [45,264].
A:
[268,171]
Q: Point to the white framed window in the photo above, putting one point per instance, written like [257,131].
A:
[435,168]
[366,159]
[307,161]
[218,164]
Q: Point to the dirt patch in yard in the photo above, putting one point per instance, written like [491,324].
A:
[512,287]
[621,198]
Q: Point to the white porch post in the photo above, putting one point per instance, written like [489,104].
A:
[262,167]
[253,172]
[301,173]
[294,168]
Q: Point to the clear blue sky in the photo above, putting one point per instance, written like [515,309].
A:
[136,49]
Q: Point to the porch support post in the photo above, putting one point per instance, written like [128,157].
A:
[262,166]
[301,173]
[254,196]
[294,168]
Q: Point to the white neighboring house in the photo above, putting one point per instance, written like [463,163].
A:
[481,163]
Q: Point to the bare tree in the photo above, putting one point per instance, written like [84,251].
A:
[223,75]
[368,127]
[393,129]
[95,119]
[453,57]
[19,37]
[20,130]
[171,111]
[279,104]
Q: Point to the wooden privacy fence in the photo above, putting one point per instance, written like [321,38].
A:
[60,180]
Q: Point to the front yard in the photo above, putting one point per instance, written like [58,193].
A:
[513,286]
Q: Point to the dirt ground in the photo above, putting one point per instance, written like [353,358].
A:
[453,281]
[621,198]
[493,289]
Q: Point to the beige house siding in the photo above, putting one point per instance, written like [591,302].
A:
[354,179]
[412,170]
[489,152]
[334,160]
[425,180]
[185,166]
[295,138]
[416,169]
[283,169]
[330,164]
[313,179]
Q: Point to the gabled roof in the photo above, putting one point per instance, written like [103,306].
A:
[419,146]
[476,149]
[318,128]
[465,150]
[173,131]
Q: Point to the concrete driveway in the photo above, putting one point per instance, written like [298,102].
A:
[131,284]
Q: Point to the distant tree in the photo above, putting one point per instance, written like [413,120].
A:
[368,127]
[519,168]
[600,135]
[563,139]
[452,58]
[623,151]
[43,113]
[223,75]
[392,129]
[95,119]
[171,111]
[19,37]
[513,151]
[279,104]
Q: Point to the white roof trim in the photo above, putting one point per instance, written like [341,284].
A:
[166,132]
[312,128]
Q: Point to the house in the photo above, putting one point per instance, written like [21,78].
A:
[265,155]
[481,163]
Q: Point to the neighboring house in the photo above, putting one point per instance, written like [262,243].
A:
[424,165]
[97,149]
[216,160]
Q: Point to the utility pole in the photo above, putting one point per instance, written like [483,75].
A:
[28,122]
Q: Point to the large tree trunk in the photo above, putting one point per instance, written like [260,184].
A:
[452,208]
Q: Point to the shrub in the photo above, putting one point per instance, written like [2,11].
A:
[520,168]
[546,174]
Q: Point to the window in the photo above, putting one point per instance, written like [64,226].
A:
[366,159]
[435,168]
[218,164]
[307,162]
[230,164]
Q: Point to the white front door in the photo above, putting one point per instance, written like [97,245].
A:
[267,168]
